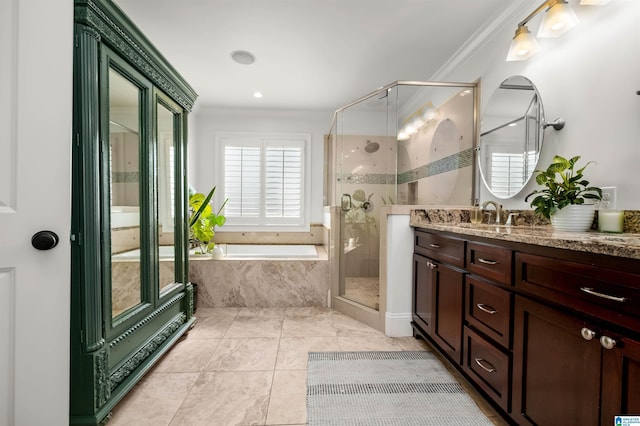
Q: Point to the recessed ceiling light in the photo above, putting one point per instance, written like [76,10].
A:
[243,57]
[257,95]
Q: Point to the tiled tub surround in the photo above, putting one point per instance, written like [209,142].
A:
[530,230]
[261,282]
[125,279]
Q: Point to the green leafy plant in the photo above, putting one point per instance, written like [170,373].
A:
[203,221]
[562,186]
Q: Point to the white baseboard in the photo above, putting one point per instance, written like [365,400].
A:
[398,325]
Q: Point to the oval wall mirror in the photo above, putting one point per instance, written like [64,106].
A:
[511,134]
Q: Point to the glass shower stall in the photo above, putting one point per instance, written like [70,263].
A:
[408,143]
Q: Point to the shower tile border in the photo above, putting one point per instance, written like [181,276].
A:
[450,163]
[447,164]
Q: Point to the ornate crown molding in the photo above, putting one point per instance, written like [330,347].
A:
[117,31]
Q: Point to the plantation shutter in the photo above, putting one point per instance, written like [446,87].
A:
[242,181]
[264,180]
[283,182]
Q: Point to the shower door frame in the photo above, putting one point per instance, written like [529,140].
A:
[370,316]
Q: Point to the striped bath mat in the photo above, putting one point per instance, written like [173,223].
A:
[386,388]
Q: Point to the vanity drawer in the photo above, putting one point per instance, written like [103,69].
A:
[602,292]
[446,249]
[488,367]
[489,261]
[488,309]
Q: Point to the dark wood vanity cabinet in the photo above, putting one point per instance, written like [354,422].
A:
[488,318]
[581,346]
[550,337]
[556,373]
[438,291]
[586,377]
[621,380]
[423,278]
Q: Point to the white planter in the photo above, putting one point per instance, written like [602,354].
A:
[574,218]
[217,252]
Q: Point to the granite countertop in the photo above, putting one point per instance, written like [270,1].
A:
[622,245]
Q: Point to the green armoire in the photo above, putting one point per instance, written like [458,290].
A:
[131,298]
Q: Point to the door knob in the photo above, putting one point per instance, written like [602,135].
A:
[607,342]
[44,240]
[587,334]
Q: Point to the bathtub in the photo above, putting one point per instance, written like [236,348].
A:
[273,251]
[165,253]
[238,251]
[253,275]
[125,216]
[256,275]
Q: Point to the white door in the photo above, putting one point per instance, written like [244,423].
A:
[36,47]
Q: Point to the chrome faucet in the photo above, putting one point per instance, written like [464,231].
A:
[498,208]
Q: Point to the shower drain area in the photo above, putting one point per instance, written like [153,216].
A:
[363,290]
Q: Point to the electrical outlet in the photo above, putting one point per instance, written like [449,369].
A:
[608,197]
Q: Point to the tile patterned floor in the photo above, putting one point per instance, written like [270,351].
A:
[247,366]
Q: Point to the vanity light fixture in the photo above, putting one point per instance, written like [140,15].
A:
[417,120]
[593,2]
[558,19]
[523,46]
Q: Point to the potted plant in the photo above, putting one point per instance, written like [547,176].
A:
[203,221]
[562,200]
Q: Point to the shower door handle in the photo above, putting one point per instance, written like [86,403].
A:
[345,202]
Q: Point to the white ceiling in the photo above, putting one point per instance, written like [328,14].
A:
[311,54]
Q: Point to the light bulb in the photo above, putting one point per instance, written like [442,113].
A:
[430,114]
[417,123]
[403,136]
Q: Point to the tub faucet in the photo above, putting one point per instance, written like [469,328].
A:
[498,208]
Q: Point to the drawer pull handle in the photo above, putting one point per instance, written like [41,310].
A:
[434,245]
[486,308]
[487,262]
[602,295]
[481,362]
[431,265]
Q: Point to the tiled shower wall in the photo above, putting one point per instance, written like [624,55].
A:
[365,176]
[435,166]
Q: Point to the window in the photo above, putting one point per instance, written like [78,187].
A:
[265,178]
